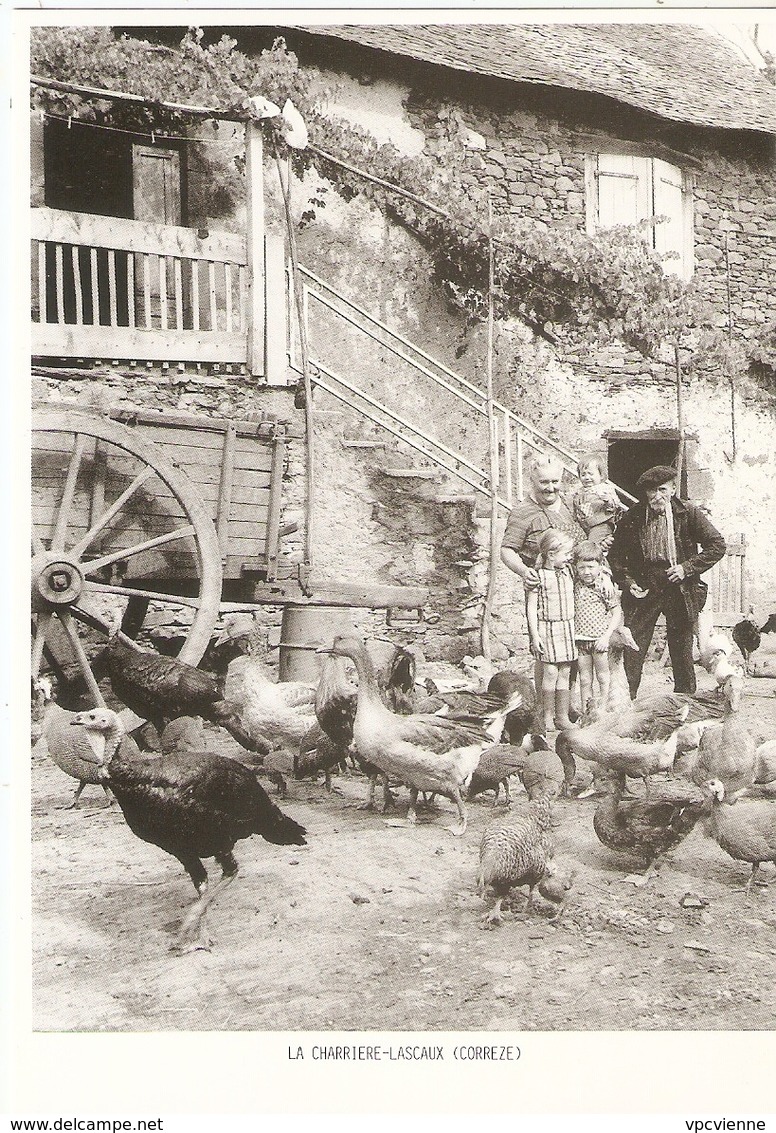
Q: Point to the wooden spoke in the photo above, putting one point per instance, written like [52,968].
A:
[151,595]
[83,660]
[104,453]
[89,620]
[39,642]
[94,565]
[63,516]
[107,516]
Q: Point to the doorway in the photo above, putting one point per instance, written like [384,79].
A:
[631,454]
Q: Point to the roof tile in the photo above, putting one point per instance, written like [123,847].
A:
[676,71]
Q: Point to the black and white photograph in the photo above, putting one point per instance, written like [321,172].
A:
[403,620]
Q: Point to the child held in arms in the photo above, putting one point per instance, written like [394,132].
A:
[595,504]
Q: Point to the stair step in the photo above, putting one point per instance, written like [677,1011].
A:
[364,444]
[413,473]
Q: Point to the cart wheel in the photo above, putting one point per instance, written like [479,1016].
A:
[115,523]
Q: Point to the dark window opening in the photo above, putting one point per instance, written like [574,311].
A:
[89,170]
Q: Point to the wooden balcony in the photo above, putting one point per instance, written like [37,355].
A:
[109,288]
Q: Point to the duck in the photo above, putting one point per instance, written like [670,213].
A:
[765,764]
[726,751]
[639,742]
[745,828]
[425,752]
[648,828]
[492,708]
[281,712]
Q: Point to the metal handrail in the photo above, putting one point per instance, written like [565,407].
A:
[470,387]
[463,389]
[458,461]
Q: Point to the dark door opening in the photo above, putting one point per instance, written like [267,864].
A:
[630,455]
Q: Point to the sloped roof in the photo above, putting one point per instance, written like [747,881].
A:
[676,71]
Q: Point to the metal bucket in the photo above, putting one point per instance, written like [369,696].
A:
[303,630]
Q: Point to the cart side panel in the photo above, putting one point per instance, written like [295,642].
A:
[235,468]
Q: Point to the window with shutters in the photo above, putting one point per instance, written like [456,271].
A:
[625,189]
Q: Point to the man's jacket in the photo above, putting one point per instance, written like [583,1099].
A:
[692,529]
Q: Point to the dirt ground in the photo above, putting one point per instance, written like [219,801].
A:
[376,926]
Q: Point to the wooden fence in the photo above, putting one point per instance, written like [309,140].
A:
[727,584]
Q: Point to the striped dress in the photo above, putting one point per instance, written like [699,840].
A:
[555,613]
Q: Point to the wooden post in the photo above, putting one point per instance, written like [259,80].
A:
[494,457]
[730,340]
[679,418]
[254,178]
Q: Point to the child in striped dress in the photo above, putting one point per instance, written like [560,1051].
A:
[550,611]
[597,614]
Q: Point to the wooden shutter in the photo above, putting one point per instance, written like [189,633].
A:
[156,184]
[668,195]
[623,195]
[156,197]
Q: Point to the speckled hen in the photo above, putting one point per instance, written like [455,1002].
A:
[517,850]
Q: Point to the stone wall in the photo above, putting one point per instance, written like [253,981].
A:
[533,157]
[373,520]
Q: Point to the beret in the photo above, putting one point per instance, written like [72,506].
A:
[655,477]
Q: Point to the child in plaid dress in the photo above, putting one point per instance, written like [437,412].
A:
[550,611]
[597,614]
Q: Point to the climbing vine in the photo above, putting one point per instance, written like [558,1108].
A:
[564,283]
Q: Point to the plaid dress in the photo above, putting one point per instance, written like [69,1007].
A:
[555,613]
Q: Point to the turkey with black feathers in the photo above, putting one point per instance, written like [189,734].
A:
[192,805]
[327,743]
[162,688]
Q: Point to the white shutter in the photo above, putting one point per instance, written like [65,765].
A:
[669,203]
[623,189]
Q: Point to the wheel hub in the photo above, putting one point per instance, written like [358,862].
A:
[56,580]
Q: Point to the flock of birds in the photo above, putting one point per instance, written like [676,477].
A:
[195,803]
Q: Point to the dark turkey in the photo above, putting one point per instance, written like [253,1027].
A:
[162,688]
[318,753]
[192,805]
[499,762]
[399,688]
[520,719]
[747,636]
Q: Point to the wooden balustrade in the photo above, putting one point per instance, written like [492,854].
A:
[105,287]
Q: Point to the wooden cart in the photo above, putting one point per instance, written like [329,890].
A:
[161,511]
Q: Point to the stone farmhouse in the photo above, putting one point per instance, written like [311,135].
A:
[598,126]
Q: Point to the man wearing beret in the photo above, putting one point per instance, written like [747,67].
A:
[655,558]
